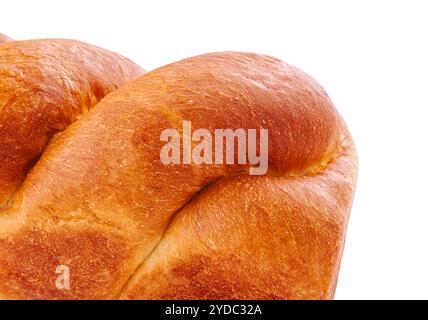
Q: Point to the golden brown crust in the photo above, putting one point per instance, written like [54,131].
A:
[271,237]
[44,86]
[188,231]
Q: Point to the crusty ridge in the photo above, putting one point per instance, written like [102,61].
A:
[45,85]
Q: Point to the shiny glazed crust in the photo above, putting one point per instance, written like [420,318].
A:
[100,201]
[45,85]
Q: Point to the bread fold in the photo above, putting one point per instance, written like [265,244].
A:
[100,201]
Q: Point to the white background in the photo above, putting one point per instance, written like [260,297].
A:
[371,57]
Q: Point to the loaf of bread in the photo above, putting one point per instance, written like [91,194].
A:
[95,198]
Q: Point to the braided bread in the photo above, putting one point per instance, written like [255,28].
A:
[45,85]
[101,202]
